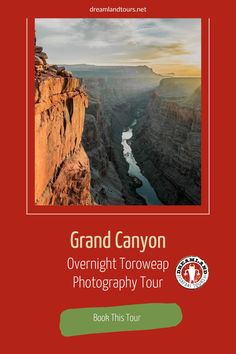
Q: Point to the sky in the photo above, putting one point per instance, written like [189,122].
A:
[169,46]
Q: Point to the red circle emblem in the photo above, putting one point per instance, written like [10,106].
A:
[192,272]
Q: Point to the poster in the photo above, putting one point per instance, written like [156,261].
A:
[118,223]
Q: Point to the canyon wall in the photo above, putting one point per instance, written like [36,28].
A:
[106,187]
[167,146]
[62,170]
[105,118]
[178,87]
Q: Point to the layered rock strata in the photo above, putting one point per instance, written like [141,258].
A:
[167,146]
[62,170]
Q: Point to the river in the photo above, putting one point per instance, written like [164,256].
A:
[145,191]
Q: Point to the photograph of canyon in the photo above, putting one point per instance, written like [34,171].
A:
[117,112]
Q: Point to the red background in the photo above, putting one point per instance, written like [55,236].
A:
[35,284]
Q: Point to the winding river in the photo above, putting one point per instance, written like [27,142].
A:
[145,190]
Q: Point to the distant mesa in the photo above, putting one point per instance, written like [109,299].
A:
[100,71]
[178,87]
[170,74]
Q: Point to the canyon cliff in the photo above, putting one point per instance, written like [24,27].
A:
[62,169]
[106,186]
[167,141]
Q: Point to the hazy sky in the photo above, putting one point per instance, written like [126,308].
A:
[168,45]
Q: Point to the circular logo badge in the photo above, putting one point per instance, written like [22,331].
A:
[192,272]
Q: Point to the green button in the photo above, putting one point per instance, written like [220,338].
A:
[75,322]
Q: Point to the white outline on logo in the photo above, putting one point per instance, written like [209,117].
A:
[189,260]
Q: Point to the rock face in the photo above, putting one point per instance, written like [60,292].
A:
[112,101]
[62,170]
[167,145]
[178,87]
[106,186]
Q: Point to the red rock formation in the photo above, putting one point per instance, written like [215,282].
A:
[62,171]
